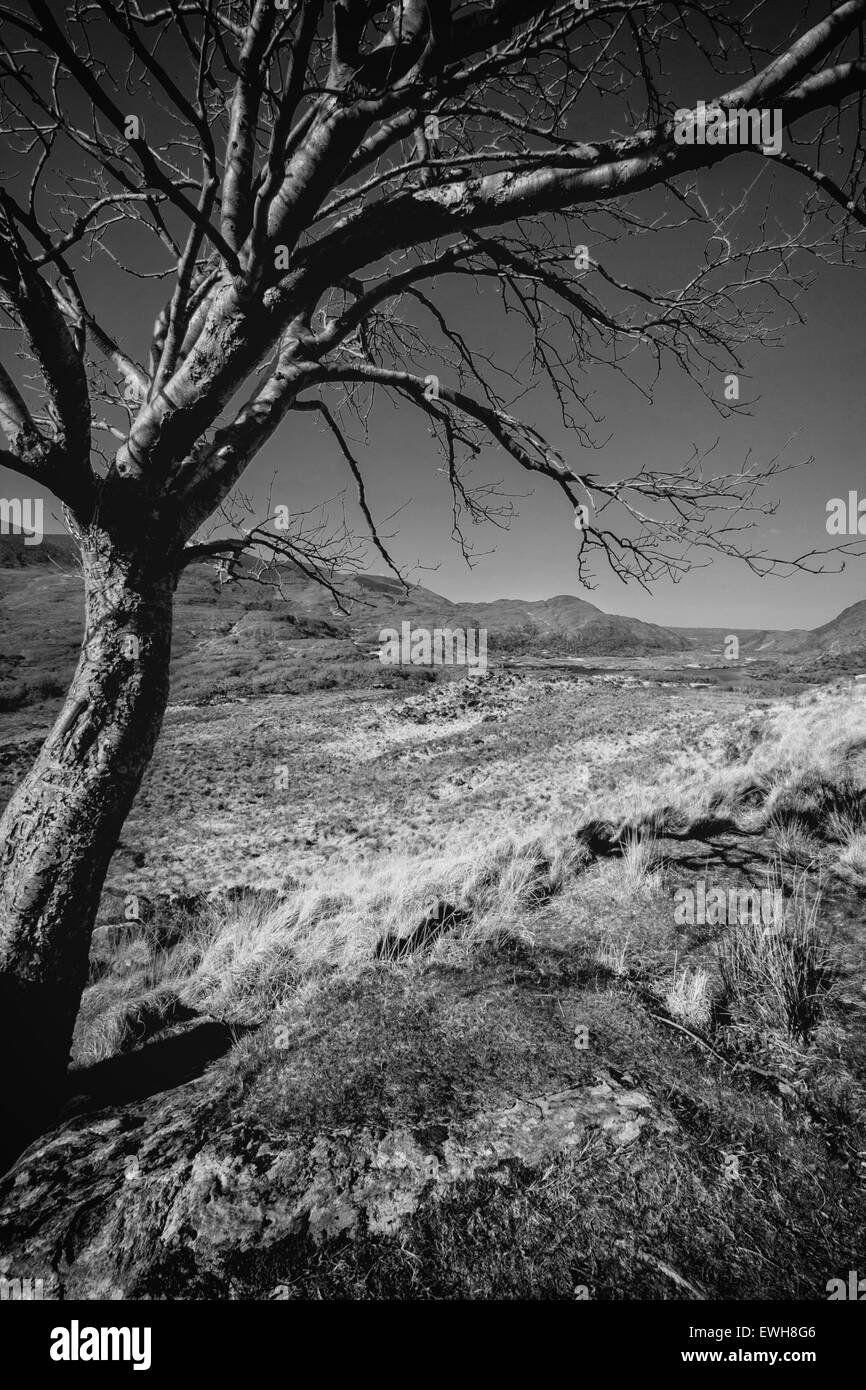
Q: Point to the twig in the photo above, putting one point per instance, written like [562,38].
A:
[742,1066]
[665,1269]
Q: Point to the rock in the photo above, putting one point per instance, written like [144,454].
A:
[100,1207]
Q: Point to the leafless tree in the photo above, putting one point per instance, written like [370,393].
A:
[304,178]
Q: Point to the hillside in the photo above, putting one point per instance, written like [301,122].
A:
[255,639]
[388,996]
[422,1022]
[251,639]
[843,634]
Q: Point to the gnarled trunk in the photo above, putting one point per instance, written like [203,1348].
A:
[61,827]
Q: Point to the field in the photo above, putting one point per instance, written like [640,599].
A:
[390,997]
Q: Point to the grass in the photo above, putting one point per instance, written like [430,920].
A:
[418,1046]
[640,867]
[299,788]
[435,950]
[244,953]
[613,955]
[688,998]
[780,978]
[793,841]
[853,853]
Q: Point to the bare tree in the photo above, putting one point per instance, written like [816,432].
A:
[308,177]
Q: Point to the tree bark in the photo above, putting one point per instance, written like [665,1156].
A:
[61,827]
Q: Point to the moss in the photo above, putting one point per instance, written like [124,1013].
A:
[412,1048]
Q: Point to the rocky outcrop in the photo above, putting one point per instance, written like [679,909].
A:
[100,1207]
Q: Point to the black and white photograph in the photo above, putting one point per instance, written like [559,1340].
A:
[432,669]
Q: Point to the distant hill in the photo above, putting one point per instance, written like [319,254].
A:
[60,551]
[842,635]
[381,602]
[260,638]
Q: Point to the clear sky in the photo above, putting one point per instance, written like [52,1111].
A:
[809,392]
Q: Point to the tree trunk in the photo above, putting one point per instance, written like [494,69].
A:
[61,827]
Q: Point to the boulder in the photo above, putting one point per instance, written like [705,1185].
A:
[113,1205]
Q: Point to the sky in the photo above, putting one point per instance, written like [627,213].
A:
[807,400]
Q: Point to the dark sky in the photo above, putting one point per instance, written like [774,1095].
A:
[808,396]
[809,392]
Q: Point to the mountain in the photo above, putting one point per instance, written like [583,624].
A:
[843,635]
[40,594]
[379,601]
[253,638]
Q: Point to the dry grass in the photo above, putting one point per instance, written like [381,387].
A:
[613,954]
[781,978]
[639,871]
[688,998]
[537,942]
[793,841]
[244,954]
[793,767]
[817,733]
[370,776]
[853,855]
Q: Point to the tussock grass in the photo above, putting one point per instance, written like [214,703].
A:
[244,954]
[796,768]
[818,734]
[853,855]
[613,955]
[127,1002]
[792,840]
[254,951]
[688,998]
[780,978]
[639,870]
